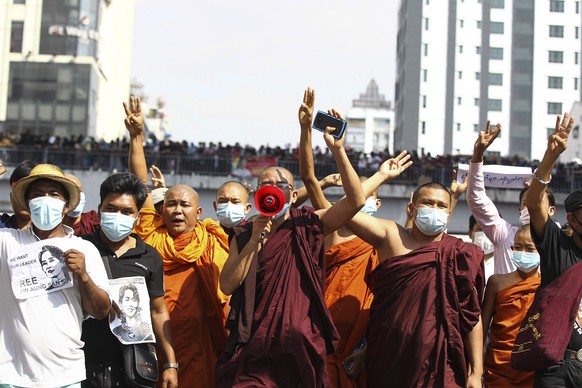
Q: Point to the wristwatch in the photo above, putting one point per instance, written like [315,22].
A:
[172,365]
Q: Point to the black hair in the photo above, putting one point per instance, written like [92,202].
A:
[130,287]
[125,183]
[472,222]
[549,193]
[21,171]
[429,185]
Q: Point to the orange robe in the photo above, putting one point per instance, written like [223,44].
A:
[348,297]
[511,306]
[193,298]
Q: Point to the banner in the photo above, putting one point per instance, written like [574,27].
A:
[253,166]
[508,177]
[135,324]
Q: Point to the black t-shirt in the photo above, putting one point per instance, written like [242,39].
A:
[558,253]
[143,260]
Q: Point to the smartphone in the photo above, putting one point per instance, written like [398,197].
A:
[323,120]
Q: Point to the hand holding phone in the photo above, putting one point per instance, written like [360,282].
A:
[323,120]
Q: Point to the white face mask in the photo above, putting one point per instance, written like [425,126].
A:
[483,242]
[524,216]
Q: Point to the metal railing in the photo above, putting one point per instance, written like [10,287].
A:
[568,179]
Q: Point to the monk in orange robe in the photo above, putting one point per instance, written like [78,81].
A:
[507,300]
[194,252]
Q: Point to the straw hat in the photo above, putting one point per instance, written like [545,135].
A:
[45,171]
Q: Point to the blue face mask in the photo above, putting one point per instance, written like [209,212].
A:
[79,209]
[230,214]
[116,226]
[46,212]
[525,261]
[370,206]
[282,212]
[431,221]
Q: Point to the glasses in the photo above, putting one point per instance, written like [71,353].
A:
[281,185]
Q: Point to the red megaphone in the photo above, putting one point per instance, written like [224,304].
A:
[269,200]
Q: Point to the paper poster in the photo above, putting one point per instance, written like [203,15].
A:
[509,177]
[135,324]
[40,268]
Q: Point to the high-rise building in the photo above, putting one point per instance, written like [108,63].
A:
[462,62]
[370,122]
[65,66]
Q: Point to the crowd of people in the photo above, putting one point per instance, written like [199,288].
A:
[296,296]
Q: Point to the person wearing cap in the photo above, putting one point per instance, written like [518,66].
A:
[40,333]
[158,198]
[193,252]
[20,218]
[558,253]
[81,222]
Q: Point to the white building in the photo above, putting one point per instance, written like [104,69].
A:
[463,62]
[65,66]
[370,122]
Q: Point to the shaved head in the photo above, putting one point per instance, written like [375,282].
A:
[233,189]
[188,190]
[181,209]
[282,174]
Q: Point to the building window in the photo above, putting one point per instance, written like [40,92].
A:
[458,127]
[496,27]
[424,101]
[426,23]
[423,127]
[575,83]
[16,32]
[459,100]
[556,57]
[19,1]
[479,24]
[554,108]
[460,75]
[461,49]
[556,6]
[475,127]
[478,50]
[495,79]
[577,7]
[425,47]
[477,76]
[476,102]
[495,52]
[497,3]
[576,58]
[555,82]
[461,23]
[556,31]
[424,75]
[576,32]
[494,105]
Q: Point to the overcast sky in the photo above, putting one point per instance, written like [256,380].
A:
[235,71]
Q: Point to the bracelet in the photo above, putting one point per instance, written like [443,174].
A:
[171,365]
[545,183]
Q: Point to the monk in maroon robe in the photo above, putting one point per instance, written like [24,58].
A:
[424,328]
[280,328]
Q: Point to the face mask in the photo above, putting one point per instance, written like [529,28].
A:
[431,221]
[230,214]
[46,212]
[525,261]
[482,241]
[524,216]
[116,226]
[282,212]
[79,209]
[370,206]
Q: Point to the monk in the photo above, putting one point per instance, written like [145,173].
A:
[507,300]
[425,327]
[81,222]
[193,252]
[231,205]
[349,263]
[280,327]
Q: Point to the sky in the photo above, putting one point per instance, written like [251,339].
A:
[233,71]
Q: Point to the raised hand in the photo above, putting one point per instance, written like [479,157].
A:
[457,188]
[2,167]
[306,108]
[134,119]
[558,141]
[333,142]
[158,180]
[484,140]
[332,180]
[393,167]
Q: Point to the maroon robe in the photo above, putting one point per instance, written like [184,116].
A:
[280,328]
[424,303]
[87,225]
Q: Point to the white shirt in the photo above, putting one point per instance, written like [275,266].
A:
[40,337]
